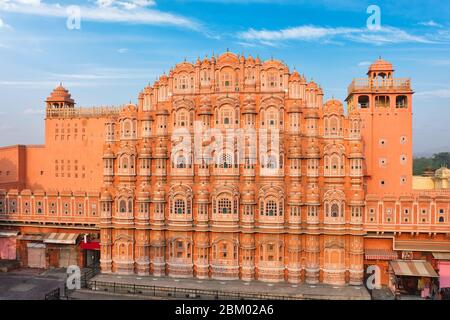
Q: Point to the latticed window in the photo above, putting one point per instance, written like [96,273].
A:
[181,162]
[182,119]
[180,206]
[224,206]
[334,210]
[271,208]
[226,116]
[226,161]
[271,162]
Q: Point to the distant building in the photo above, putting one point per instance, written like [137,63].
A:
[438,180]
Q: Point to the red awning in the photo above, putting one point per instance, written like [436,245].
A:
[94,245]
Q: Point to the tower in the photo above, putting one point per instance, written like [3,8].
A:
[60,98]
[385,106]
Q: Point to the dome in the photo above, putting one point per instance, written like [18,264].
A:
[162,112]
[108,154]
[381,65]
[312,151]
[145,152]
[442,172]
[294,108]
[60,94]
[295,76]
[206,107]
[334,106]
[143,194]
[159,193]
[248,196]
[203,196]
[312,85]
[147,117]
[311,114]
[106,196]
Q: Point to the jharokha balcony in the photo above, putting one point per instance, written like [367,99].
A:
[379,84]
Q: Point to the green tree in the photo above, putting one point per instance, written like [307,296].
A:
[441,159]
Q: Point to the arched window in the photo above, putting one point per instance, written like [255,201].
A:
[272,117]
[363,102]
[226,115]
[125,162]
[122,206]
[382,101]
[401,102]
[182,119]
[334,125]
[180,206]
[127,128]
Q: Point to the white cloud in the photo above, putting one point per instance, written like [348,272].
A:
[384,35]
[430,23]
[130,4]
[31,111]
[3,25]
[364,63]
[122,50]
[132,11]
[439,93]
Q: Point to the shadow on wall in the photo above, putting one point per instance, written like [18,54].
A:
[8,171]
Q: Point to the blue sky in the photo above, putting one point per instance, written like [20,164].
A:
[123,45]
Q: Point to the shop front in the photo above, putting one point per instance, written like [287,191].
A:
[379,258]
[62,250]
[91,250]
[442,262]
[8,244]
[413,279]
[36,255]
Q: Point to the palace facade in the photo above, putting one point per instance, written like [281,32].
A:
[228,168]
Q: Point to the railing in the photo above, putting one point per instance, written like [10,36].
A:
[175,292]
[53,295]
[83,112]
[86,276]
[378,84]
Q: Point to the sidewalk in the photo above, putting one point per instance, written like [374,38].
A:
[300,291]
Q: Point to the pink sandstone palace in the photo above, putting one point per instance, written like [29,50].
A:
[138,188]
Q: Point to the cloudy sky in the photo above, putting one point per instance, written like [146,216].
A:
[123,45]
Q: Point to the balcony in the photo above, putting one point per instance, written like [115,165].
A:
[93,112]
[366,84]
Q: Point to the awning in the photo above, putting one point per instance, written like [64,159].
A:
[94,245]
[31,237]
[380,254]
[424,246]
[8,233]
[415,268]
[441,255]
[61,238]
